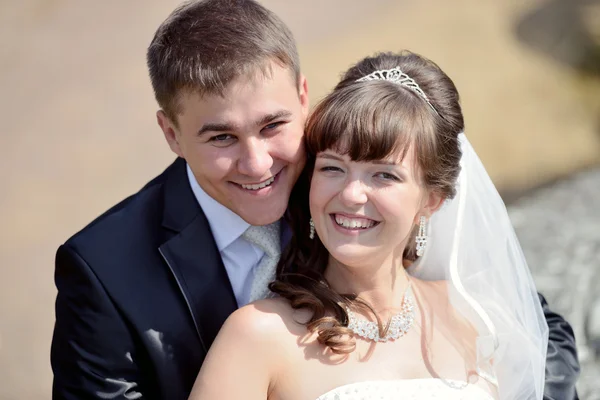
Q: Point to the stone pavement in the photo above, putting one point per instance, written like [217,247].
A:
[559,230]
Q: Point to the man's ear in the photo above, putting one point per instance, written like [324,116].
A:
[303,93]
[170,131]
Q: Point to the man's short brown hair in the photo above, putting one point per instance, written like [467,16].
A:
[205,44]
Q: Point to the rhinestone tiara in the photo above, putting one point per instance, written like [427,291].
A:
[396,75]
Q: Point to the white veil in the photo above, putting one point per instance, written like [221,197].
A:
[473,246]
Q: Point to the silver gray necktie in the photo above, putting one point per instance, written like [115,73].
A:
[268,239]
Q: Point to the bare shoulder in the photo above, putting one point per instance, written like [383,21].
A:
[263,322]
[254,342]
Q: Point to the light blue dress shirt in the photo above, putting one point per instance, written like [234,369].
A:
[239,256]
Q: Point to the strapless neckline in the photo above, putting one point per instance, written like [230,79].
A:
[407,389]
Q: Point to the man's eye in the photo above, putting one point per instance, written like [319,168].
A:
[272,125]
[221,138]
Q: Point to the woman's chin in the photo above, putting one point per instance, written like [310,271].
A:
[354,257]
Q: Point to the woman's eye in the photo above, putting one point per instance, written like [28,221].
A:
[329,168]
[388,176]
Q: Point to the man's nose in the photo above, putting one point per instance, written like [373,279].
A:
[255,160]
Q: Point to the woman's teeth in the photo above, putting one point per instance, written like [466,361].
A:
[354,223]
[261,185]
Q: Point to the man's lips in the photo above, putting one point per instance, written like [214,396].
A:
[259,185]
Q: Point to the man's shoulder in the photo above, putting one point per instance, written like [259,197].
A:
[122,217]
[138,217]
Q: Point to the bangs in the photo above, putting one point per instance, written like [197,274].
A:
[368,122]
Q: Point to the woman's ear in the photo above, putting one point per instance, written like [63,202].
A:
[433,202]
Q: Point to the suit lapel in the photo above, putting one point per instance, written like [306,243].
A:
[286,233]
[193,258]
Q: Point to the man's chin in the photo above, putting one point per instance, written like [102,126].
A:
[262,215]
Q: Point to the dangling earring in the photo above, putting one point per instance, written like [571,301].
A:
[312,229]
[421,238]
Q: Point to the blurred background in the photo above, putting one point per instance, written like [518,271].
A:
[79,133]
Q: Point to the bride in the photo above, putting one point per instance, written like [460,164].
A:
[403,279]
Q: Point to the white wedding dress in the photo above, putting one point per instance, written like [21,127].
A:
[407,389]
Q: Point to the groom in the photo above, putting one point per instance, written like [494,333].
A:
[144,289]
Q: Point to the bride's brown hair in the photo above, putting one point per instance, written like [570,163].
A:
[367,121]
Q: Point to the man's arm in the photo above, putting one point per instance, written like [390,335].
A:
[562,365]
[92,350]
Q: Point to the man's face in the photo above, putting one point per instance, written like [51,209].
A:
[245,148]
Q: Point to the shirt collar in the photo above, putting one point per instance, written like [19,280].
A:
[226,226]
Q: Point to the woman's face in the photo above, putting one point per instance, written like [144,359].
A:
[364,211]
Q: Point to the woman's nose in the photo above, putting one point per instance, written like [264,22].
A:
[354,193]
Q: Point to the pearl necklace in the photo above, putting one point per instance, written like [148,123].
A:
[400,323]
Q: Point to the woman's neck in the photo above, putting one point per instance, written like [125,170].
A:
[381,286]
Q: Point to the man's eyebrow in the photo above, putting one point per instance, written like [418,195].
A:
[230,127]
[216,127]
[273,116]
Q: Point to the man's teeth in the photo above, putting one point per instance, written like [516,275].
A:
[354,223]
[260,185]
